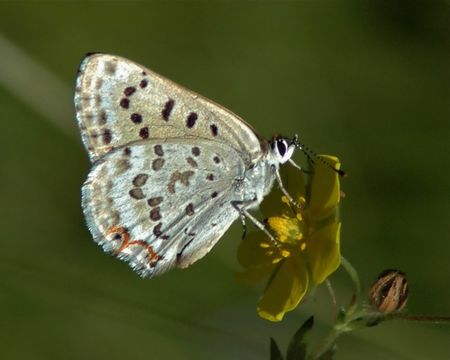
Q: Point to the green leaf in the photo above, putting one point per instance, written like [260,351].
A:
[297,346]
[275,353]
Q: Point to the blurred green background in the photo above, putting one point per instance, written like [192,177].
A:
[368,81]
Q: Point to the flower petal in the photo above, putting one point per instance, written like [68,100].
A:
[251,253]
[325,190]
[254,274]
[293,182]
[323,252]
[285,289]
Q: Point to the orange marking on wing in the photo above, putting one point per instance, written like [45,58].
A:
[125,237]
[153,256]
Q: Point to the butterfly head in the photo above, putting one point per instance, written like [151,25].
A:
[282,149]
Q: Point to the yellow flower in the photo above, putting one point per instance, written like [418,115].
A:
[307,249]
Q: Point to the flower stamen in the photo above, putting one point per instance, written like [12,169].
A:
[285,253]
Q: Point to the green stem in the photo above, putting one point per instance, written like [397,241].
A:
[351,271]
[422,318]
[326,344]
[342,326]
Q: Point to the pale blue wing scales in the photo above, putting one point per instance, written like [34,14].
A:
[118,101]
[145,201]
[205,231]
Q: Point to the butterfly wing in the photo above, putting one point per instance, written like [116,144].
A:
[118,101]
[158,204]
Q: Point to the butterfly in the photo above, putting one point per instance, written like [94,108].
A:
[171,170]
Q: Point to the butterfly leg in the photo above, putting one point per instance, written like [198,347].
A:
[294,164]
[241,206]
[283,189]
[298,167]
[244,225]
[262,227]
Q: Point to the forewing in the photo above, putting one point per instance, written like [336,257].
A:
[118,102]
[152,202]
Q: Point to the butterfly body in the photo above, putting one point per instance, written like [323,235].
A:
[171,170]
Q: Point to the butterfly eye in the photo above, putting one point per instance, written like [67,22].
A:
[282,150]
[282,147]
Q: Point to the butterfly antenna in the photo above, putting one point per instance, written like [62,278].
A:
[310,154]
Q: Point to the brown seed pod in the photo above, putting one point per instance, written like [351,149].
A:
[389,292]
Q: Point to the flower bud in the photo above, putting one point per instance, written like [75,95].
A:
[389,292]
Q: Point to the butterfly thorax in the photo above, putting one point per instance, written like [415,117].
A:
[256,183]
[259,177]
